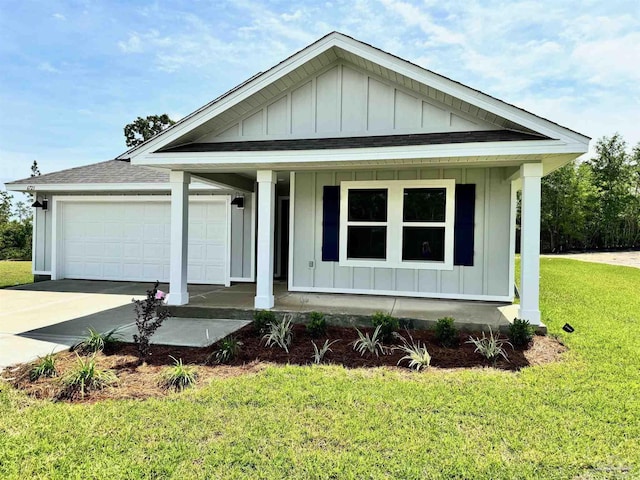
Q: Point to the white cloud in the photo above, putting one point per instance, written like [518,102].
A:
[610,61]
[47,67]
[414,16]
[132,45]
[59,16]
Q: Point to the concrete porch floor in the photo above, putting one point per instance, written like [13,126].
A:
[237,302]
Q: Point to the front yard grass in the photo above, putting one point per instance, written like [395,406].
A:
[577,418]
[15,273]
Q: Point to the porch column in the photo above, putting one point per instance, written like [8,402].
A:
[530,243]
[178,294]
[266,219]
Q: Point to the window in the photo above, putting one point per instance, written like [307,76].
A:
[397,224]
[367,223]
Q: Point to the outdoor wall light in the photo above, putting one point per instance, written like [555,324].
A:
[238,202]
[44,205]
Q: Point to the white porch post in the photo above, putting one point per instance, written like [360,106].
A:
[530,243]
[266,219]
[178,294]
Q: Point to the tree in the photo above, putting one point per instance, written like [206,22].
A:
[142,129]
[612,175]
[35,171]
[5,207]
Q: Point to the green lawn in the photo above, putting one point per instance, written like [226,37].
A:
[15,273]
[579,418]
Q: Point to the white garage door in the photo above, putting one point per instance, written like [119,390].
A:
[130,240]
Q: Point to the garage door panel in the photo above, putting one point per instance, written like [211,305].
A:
[131,231]
[112,270]
[112,251]
[131,240]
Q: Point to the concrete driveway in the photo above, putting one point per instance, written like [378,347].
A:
[44,317]
[33,317]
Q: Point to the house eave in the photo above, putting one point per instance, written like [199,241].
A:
[469,153]
[101,187]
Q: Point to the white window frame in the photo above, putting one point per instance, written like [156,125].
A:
[395,223]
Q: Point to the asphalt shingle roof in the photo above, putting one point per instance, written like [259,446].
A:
[359,142]
[111,171]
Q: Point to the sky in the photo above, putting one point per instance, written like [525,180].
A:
[74,73]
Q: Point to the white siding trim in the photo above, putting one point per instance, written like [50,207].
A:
[512,237]
[227,275]
[292,216]
[33,238]
[402,293]
[254,208]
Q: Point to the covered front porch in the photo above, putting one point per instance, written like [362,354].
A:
[267,293]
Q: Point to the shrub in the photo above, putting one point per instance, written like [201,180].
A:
[150,313]
[490,347]
[446,332]
[416,353]
[372,344]
[86,377]
[319,353]
[179,376]
[520,333]
[228,349]
[44,367]
[262,319]
[387,323]
[280,333]
[317,326]
[97,342]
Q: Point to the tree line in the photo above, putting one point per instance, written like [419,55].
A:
[593,204]
[16,224]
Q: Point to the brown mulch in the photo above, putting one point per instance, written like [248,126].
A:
[138,380]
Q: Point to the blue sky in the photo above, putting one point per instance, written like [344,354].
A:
[73,73]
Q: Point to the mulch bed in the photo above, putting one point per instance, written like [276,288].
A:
[138,380]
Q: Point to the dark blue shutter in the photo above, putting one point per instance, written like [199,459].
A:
[463,243]
[330,223]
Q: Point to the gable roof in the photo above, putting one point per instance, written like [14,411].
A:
[358,52]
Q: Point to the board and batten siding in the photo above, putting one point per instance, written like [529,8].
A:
[346,101]
[241,245]
[488,277]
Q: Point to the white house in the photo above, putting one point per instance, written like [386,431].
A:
[343,168]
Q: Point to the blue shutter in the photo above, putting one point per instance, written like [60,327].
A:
[330,223]
[463,242]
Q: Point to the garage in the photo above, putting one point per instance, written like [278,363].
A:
[128,238]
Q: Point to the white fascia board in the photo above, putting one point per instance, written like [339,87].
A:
[253,86]
[100,187]
[458,90]
[482,149]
